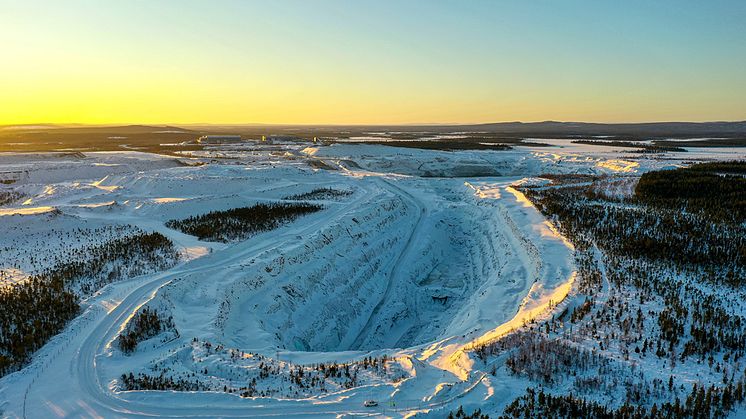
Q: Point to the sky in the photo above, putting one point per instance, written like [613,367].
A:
[371,62]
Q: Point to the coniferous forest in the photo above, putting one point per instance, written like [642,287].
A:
[699,403]
[660,274]
[256,375]
[320,193]
[146,324]
[38,308]
[9,196]
[717,190]
[241,223]
[638,146]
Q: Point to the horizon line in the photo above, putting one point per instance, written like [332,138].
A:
[410,124]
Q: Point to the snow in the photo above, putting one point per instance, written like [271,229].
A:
[432,254]
[25,211]
[562,156]
[10,276]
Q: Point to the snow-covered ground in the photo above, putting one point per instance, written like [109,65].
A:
[432,254]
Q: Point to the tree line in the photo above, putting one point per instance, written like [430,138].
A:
[36,309]
[675,269]
[320,193]
[144,325]
[641,146]
[717,190]
[241,223]
[256,375]
[701,402]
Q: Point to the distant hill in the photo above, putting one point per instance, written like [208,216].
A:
[171,138]
[520,129]
[89,129]
[675,129]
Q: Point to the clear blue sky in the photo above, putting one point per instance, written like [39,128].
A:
[371,61]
